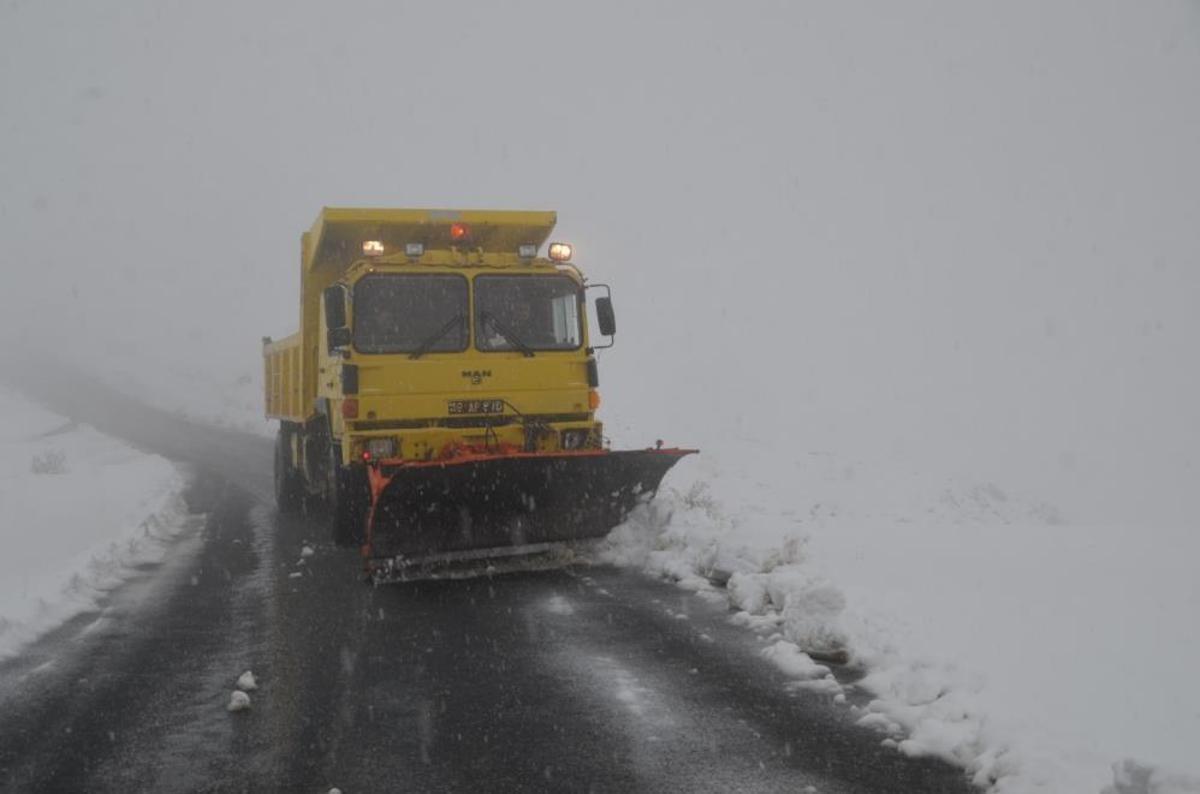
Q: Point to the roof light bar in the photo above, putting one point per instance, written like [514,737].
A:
[561,252]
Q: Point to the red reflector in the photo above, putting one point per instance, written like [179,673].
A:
[459,231]
[350,408]
[366,456]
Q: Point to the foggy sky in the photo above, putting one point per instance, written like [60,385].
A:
[962,235]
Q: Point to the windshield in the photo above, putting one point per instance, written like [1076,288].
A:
[527,313]
[407,313]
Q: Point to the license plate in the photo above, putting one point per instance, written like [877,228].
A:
[475,407]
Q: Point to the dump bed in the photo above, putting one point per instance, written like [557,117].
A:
[281,362]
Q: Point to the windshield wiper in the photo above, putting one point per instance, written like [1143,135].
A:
[435,337]
[507,334]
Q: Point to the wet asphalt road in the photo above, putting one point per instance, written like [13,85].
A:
[587,679]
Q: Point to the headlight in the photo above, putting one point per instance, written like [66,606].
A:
[561,252]
[380,448]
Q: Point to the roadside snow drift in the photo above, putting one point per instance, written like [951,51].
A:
[1040,656]
[80,509]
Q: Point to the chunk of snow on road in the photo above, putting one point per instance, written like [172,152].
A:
[748,592]
[824,686]
[763,624]
[72,536]
[295,574]
[247,682]
[788,657]
[306,551]
[879,722]
[238,701]
[559,606]
[1131,777]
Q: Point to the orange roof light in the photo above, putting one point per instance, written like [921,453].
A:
[459,231]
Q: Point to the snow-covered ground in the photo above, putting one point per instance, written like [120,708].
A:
[80,510]
[227,393]
[1042,656]
[234,401]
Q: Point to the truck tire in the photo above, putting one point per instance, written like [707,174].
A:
[289,488]
[348,506]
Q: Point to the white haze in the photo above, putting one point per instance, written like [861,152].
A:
[962,236]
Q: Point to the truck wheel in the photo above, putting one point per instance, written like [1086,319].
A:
[348,506]
[289,490]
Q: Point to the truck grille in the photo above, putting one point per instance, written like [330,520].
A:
[465,421]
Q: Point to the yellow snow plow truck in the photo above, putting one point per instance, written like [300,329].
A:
[440,397]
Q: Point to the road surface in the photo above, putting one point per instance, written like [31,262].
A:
[590,679]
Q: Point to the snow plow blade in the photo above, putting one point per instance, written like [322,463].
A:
[483,507]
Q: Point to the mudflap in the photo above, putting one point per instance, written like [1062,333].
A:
[488,507]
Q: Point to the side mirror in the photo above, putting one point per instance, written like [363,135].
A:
[606,320]
[335,307]
[339,338]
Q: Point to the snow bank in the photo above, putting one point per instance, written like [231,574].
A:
[234,402]
[1040,656]
[187,388]
[80,511]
